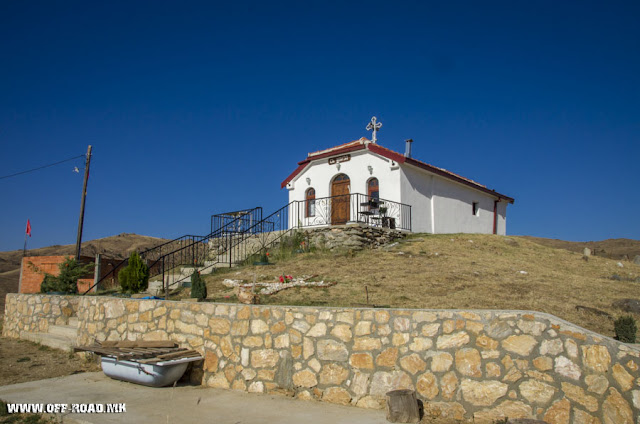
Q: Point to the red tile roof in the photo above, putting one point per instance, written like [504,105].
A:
[362,140]
[363,143]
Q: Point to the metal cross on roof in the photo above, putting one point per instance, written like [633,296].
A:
[374,126]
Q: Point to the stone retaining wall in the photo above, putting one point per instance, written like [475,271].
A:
[464,365]
[34,312]
[354,237]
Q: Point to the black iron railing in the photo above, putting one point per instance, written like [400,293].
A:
[350,208]
[184,250]
[234,243]
[236,221]
[226,246]
[241,235]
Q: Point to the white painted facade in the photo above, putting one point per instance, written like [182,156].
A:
[319,176]
[439,204]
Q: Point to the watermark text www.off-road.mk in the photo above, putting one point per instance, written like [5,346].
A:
[63,408]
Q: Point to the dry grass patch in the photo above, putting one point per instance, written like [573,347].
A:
[451,272]
[26,361]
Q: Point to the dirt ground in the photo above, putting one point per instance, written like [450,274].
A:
[26,361]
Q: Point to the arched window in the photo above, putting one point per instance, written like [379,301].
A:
[373,190]
[310,202]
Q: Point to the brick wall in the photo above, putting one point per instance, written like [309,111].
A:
[33,267]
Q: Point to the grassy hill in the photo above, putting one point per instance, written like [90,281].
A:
[454,271]
[611,248]
[427,271]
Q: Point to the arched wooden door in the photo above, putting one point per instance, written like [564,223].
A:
[340,200]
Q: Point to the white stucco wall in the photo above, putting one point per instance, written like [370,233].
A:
[416,187]
[438,205]
[502,217]
[321,174]
[453,209]
[441,206]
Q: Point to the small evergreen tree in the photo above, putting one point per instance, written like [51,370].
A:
[134,278]
[264,258]
[67,279]
[198,286]
[49,284]
[626,329]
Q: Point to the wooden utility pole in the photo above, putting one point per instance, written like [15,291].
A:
[84,196]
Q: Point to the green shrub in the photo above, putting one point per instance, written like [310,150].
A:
[198,286]
[67,279]
[49,284]
[134,278]
[626,329]
[289,245]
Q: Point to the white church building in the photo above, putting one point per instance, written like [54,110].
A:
[363,182]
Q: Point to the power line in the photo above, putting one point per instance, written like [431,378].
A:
[41,167]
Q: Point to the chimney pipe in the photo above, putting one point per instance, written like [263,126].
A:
[407,150]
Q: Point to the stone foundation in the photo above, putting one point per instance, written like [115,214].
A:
[355,237]
[464,365]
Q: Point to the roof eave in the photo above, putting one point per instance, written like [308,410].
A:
[457,179]
[303,164]
[401,159]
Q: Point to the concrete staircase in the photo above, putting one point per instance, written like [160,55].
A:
[174,280]
[61,337]
[219,257]
[156,288]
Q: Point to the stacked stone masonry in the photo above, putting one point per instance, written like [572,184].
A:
[35,313]
[464,365]
[354,237]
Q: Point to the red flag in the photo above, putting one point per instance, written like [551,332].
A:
[28,228]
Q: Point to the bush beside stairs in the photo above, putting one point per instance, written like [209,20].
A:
[184,276]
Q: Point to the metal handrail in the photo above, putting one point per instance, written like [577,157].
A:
[145,254]
[142,254]
[284,220]
[236,240]
[244,216]
[362,209]
[278,224]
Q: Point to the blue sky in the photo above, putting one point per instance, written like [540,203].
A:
[196,108]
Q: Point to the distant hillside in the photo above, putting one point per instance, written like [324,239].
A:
[610,248]
[117,247]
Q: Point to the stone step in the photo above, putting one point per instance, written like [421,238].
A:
[156,288]
[209,266]
[68,331]
[174,280]
[48,339]
[224,264]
